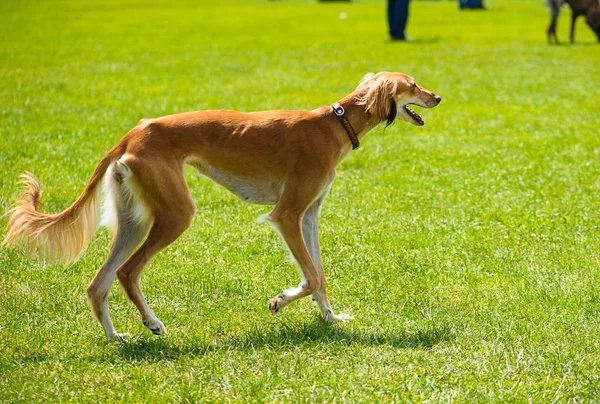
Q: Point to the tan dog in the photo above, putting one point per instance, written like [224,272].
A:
[282,158]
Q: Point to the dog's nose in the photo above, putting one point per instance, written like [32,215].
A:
[438,99]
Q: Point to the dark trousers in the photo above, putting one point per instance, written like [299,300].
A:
[397,17]
[470,3]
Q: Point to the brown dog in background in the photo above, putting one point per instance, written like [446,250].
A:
[589,8]
[282,158]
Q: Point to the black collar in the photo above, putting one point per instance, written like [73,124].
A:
[339,111]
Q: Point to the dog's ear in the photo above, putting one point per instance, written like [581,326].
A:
[379,97]
[393,112]
[367,77]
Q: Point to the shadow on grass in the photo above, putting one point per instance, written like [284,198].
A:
[307,335]
[576,44]
[416,41]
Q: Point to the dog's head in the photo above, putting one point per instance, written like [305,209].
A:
[387,97]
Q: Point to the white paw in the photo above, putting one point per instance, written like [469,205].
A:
[276,304]
[123,337]
[155,326]
[336,318]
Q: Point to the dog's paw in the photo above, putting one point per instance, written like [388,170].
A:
[155,326]
[276,304]
[122,337]
[338,318]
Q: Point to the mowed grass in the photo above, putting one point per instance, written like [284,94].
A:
[467,250]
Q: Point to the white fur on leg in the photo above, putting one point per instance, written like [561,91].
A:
[336,318]
[124,337]
[294,293]
[127,215]
[286,297]
[155,326]
[311,237]
[327,311]
[264,218]
[127,194]
[289,295]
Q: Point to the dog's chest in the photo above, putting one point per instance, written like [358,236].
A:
[252,191]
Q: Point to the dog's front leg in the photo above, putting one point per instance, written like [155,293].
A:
[289,227]
[310,232]
[286,218]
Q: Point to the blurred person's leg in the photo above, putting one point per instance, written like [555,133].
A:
[476,3]
[471,4]
[397,18]
[390,14]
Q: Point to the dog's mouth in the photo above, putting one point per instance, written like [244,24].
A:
[416,117]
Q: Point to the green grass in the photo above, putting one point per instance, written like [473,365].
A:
[468,251]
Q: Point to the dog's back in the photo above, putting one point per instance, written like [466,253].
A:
[581,7]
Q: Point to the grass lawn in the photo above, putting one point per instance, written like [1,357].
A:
[468,250]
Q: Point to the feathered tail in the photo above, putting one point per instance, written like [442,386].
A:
[63,236]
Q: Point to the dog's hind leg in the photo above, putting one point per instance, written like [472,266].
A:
[129,233]
[127,238]
[173,210]
[310,232]
[165,230]
[593,20]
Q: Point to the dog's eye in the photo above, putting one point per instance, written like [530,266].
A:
[414,85]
